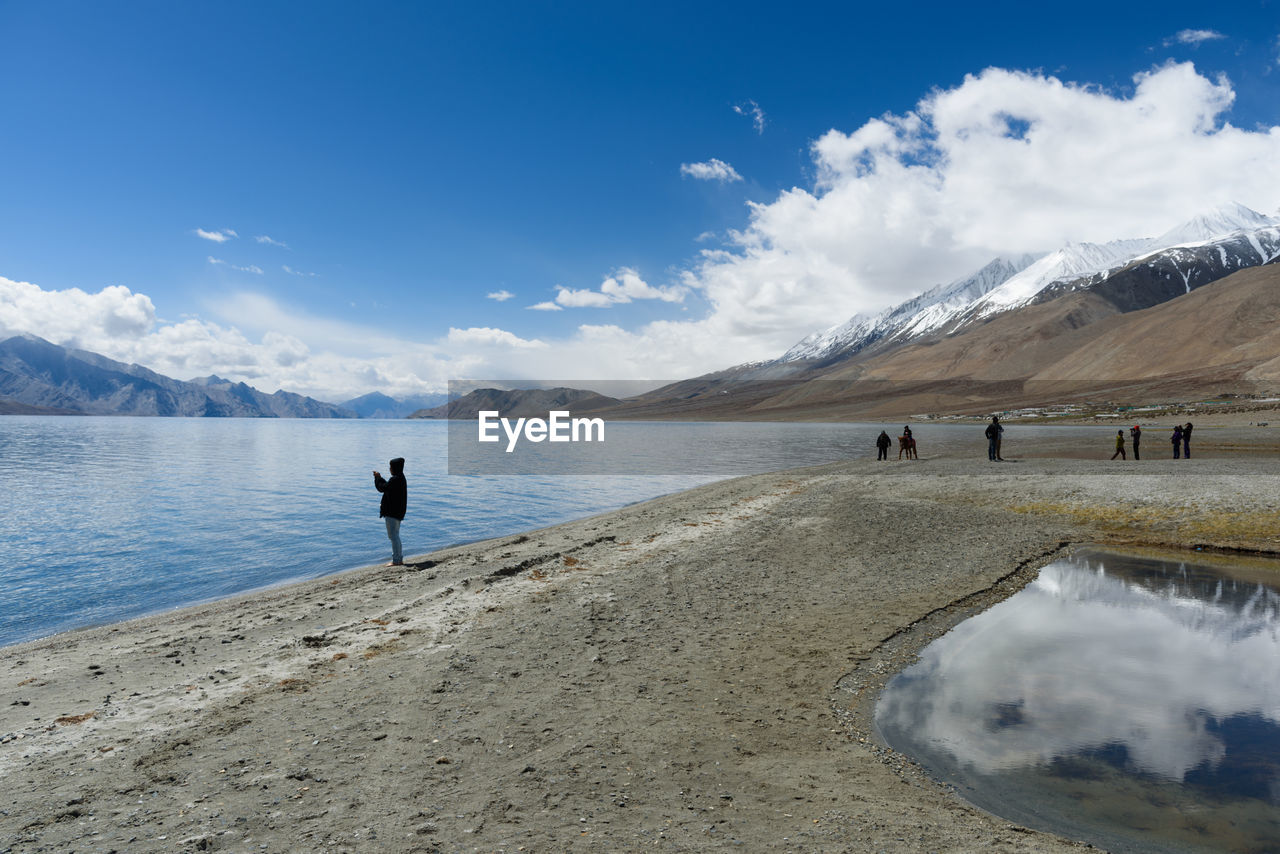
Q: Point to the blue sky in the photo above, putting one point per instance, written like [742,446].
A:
[376,171]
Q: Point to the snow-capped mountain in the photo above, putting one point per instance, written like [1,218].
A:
[915,316]
[1132,273]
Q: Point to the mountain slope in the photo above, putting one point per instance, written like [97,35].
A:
[38,373]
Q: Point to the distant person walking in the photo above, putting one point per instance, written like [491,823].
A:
[1120,446]
[994,431]
[1176,438]
[1186,440]
[882,446]
[395,498]
[1136,433]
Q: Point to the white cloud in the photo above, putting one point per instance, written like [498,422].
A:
[626,285]
[544,306]
[267,241]
[293,272]
[252,268]
[622,287]
[490,337]
[500,296]
[1193,37]
[711,170]
[72,317]
[570,298]
[752,109]
[222,235]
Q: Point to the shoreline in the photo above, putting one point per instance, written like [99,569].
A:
[1042,448]
[672,673]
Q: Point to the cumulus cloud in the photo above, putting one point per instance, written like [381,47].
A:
[571,298]
[490,337]
[622,287]
[222,235]
[752,110]
[1193,37]
[544,306]
[499,296]
[73,317]
[252,268]
[267,241]
[711,170]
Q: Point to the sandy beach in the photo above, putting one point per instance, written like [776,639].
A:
[691,673]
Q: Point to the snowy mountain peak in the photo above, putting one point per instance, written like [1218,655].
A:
[912,317]
[1073,261]
[1220,221]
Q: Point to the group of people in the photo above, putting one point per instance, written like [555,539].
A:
[1181,439]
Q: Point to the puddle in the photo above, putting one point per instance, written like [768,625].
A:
[1127,699]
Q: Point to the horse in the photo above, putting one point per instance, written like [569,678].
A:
[907,445]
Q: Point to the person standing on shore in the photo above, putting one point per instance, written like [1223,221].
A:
[1186,440]
[882,446]
[1120,446]
[993,439]
[395,499]
[1176,438]
[1136,432]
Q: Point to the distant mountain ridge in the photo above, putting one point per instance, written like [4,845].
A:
[38,373]
[519,403]
[379,405]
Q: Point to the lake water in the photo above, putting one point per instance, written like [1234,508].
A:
[1126,700]
[105,519]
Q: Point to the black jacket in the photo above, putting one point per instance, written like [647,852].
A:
[395,495]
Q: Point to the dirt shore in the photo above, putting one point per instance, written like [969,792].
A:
[691,673]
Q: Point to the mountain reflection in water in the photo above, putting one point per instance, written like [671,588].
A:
[1114,696]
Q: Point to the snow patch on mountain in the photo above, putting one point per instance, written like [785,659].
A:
[914,317]
[1222,220]
[1073,261]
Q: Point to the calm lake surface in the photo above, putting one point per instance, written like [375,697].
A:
[104,519]
[1128,701]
